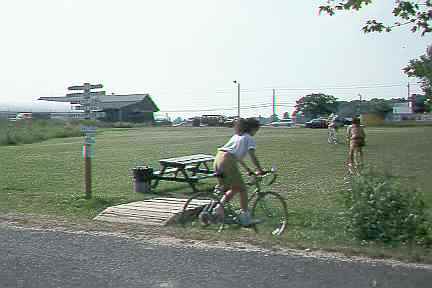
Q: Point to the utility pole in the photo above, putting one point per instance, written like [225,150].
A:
[408,86]
[274,102]
[359,106]
[409,98]
[238,97]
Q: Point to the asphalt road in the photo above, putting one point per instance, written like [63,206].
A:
[33,258]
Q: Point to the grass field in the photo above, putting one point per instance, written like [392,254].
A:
[47,178]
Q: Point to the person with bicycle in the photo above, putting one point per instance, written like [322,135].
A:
[356,138]
[226,166]
[332,129]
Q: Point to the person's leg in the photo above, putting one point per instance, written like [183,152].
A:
[351,155]
[360,152]
[228,195]
[243,199]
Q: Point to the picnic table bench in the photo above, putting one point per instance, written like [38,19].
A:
[189,169]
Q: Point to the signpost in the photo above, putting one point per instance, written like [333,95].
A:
[86,86]
[88,154]
[87,98]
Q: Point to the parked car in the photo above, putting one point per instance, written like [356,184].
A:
[229,122]
[316,123]
[347,121]
[341,121]
[282,123]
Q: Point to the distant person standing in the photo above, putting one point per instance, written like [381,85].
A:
[332,136]
[356,138]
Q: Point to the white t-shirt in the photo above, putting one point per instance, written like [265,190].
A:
[239,145]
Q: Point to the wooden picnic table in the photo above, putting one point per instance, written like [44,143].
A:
[189,169]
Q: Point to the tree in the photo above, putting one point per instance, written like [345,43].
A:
[417,14]
[422,69]
[376,106]
[314,105]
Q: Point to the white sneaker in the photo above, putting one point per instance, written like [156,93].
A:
[245,219]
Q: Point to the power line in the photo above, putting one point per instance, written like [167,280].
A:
[257,106]
[285,91]
[350,86]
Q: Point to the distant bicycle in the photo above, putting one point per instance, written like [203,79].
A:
[267,206]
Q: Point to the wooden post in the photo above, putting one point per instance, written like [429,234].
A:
[87,154]
[87,171]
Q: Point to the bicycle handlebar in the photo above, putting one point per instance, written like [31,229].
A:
[257,178]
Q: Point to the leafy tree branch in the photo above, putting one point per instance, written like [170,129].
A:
[416,13]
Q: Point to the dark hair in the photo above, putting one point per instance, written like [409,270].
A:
[356,121]
[242,125]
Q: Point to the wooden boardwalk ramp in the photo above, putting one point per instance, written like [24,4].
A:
[157,211]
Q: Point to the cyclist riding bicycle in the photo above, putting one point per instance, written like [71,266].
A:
[230,180]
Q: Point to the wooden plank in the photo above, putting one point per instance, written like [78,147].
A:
[160,209]
[157,211]
[188,157]
[161,206]
[158,203]
[167,205]
[175,179]
[147,209]
[167,171]
[194,201]
[184,160]
[171,201]
[140,216]
[130,217]
[154,216]
[128,220]
[156,200]
[183,200]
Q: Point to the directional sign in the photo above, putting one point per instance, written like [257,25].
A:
[89,140]
[98,93]
[88,129]
[76,88]
[85,86]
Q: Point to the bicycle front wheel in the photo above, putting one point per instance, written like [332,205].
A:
[271,209]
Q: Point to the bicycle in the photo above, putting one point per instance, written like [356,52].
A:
[267,206]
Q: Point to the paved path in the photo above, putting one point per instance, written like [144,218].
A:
[37,258]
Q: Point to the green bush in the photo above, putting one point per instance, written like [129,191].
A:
[381,209]
[22,132]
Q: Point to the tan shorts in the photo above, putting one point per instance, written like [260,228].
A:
[357,143]
[226,165]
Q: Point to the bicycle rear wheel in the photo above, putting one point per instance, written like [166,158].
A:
[271,209]
[194,206]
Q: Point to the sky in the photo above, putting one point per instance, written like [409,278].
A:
[186,54]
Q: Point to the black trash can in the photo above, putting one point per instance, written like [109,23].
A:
[142,178]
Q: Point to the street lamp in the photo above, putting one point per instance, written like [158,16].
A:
[238,97]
